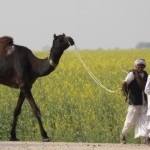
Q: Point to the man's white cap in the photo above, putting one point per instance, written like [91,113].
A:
[139,62]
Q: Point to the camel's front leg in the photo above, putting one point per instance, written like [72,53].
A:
[17,112]
[36,112]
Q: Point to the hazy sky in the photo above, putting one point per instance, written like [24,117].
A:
[92,23]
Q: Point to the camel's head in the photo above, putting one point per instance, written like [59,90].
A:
[62,42]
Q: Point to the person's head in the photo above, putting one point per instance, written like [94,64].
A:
[139,64]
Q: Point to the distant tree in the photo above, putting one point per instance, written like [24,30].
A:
[99,48]
[143,45]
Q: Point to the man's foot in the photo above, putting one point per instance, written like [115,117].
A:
[146,140]
[122,139]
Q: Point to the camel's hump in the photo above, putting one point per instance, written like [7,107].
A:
[6,40]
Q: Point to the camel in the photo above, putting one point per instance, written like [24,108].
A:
[19,68]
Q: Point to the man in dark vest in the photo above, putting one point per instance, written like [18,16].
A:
[133,89]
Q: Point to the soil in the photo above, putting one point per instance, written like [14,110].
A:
[5,145]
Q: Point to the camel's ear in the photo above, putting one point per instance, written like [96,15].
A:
[54,36]
[64,34]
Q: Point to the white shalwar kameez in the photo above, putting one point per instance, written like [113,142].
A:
[134,111]
[143,123]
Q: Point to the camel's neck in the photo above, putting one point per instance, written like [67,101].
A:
[47,65]
[54,57]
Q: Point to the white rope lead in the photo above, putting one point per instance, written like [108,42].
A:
[91,74]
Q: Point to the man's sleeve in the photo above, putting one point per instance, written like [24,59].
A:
[147,87]
[129,78]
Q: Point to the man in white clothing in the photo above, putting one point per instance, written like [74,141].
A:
[147,91]
[133,89]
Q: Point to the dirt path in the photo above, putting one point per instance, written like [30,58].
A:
[69,146]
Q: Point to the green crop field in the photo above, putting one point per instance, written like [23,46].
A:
[74,108]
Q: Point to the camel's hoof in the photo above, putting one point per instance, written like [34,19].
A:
[46,140]
[14,139]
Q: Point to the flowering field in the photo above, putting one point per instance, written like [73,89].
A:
[74,108]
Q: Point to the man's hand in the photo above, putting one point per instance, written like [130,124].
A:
[124,90]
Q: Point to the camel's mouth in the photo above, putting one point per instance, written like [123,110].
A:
[71,41]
